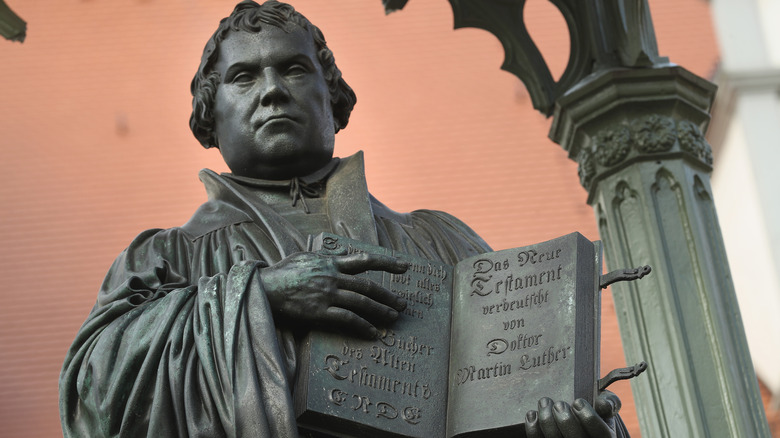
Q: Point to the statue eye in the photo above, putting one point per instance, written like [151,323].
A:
[296,70]
[242,78]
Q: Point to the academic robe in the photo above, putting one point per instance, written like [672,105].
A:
[170,349]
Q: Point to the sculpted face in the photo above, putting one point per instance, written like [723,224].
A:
[272,111]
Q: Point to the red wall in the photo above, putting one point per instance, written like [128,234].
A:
[94,111]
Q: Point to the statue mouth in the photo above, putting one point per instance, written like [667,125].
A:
[275,118]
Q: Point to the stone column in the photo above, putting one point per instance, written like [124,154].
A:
[637,135]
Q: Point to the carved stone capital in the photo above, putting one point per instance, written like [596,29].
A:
[649,137]
[624,116]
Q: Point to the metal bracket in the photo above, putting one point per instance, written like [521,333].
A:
[622,374]
[624,275]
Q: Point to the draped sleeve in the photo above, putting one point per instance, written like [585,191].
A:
[171,352]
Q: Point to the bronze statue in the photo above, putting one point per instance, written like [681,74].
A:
[195,328]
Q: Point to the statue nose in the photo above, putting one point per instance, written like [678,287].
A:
[273,89]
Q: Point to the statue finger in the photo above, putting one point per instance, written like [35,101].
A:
[607,404]
[372,290]
[590,421]
[566,421]
[362,262]
[365,307]
[348,322]
[547,421]
[532,425]
[337,251]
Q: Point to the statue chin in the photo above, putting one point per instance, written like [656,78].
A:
[276,161]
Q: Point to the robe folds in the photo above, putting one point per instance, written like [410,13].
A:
[172,346]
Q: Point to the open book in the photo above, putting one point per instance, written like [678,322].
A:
[476,348]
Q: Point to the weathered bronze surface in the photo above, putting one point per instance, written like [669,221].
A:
[394,385]
[196,329]
[12,27]
[602,35]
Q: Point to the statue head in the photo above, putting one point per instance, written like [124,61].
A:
[265,41]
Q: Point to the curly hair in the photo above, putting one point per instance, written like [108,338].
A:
[248,16]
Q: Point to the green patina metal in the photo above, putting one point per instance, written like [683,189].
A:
[12,27]
[635,125]
[637,135]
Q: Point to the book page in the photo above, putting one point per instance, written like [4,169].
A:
[523,328]
[392,386]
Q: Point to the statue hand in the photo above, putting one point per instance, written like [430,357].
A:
[322,290]
[578,420]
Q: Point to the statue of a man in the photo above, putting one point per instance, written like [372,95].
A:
[195,328]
